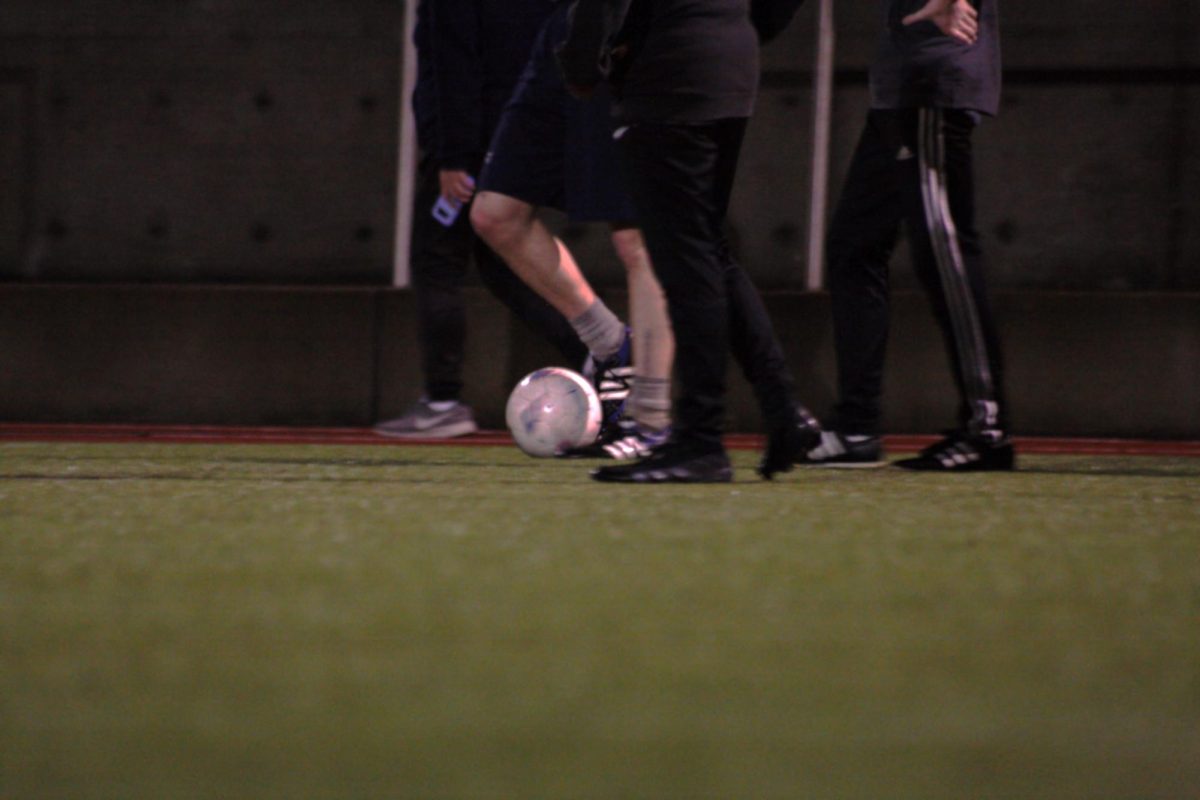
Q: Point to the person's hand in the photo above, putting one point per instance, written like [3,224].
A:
[955,18]
[457,185]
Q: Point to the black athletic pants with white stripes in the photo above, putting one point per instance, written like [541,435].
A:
[912,166]
[439,259]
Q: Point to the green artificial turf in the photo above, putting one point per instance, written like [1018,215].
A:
[260,621]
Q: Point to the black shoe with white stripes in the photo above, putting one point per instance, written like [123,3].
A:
[613,378]
[845,451]
[960,452]
[623,444]
[672,462]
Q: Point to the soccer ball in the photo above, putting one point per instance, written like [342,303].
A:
[552,410]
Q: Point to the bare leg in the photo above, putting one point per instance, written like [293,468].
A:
[512,229]
[653,336]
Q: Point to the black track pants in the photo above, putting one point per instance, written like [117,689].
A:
[680,177]
[912,166]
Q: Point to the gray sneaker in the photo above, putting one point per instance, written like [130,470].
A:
[421,421]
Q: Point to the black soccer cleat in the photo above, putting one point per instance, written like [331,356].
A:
[960,452]
[607,435]
[613,379]
[787,445]
[673,462]
[623,443]
[845,451]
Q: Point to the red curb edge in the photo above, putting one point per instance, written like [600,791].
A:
[223,434]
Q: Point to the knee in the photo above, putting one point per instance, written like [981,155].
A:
[631,248]
[494,218]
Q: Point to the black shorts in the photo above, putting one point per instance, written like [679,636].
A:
[552,150]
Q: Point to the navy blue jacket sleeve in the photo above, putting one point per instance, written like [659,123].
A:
[770,17]
[584,55]
[454,38]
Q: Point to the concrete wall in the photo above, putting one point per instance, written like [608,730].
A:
[208,142]
[222,140]
[255,140]
[1089,179]
[1087,364]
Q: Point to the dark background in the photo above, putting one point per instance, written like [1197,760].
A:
[255,141]
[197,217]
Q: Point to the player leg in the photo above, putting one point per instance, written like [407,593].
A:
[510,227]
[671,172]
[439,257]
[653,337]
[529,307]
[791,428]
[862,237]
[681,177]
[647,380]
[524,171]
[947,256]
[653,352]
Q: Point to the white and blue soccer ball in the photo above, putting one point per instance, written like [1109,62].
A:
[552,410]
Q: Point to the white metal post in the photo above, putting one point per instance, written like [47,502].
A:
[407,156]
[822,123]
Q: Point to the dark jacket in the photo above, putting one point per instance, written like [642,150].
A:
[672,60]
[469,56]
[918,65]
[423,102]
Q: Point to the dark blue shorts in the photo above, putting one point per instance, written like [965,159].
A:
[552,150]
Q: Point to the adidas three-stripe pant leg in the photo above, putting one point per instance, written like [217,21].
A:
[912,167]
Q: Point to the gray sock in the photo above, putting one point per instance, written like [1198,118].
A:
[600,330]
[650,403]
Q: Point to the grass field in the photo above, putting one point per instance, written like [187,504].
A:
[257,621]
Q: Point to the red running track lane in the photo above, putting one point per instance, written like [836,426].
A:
[220,434]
